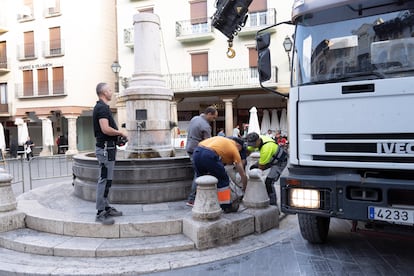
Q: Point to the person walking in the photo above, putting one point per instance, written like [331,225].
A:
[29,148]
[199,129]
[209,158]
[106,134]
[271,156]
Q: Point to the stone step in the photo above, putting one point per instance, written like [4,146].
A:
[41,243]
[155,220]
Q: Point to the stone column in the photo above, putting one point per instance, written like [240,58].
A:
[9,218]
[228,111]
[148,98]
[72,134]
[47,142]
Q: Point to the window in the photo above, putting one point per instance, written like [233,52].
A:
[55,46]
[58,81]
[254,74]
[198,10]
[29,49]
[26,10]
[42,82]
[199,65]
[52,7]
[258,13]
[3,55]
[27,83]
[3,93]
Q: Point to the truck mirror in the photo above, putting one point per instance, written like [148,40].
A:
[263,56]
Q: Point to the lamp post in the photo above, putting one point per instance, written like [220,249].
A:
[287,44]
[116,68]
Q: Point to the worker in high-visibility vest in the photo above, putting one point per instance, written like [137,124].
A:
[209,158]
[271,156]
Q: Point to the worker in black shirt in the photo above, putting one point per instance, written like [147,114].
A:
[106,134]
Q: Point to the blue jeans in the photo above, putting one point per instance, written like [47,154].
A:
[207,162]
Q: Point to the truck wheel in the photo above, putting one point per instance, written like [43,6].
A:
[314,229]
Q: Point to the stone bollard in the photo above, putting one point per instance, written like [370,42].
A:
[9,218]
[256,199]
[252,158]
[7,199]
[206,205]
[256,194]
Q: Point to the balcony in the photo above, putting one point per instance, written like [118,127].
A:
[51,88]
[247,78]
[25,13]
[26,52]
[194,30]
[4,65]
[3,23]
[257,21]
[53,48]
[52,11]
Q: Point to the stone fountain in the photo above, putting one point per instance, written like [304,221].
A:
[148,171]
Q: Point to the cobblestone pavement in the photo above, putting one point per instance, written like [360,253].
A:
[346,253]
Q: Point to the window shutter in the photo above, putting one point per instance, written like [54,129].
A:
[258,5]
[199,64]
[252,57]
[198,10]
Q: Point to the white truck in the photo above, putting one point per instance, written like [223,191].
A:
[350,112]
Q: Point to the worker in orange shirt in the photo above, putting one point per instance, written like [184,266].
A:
[209,158]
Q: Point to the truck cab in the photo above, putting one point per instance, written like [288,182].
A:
[350,113]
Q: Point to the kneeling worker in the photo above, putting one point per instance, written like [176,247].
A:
[209,158]
[271,156]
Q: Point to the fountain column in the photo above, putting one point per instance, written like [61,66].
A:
[148,99]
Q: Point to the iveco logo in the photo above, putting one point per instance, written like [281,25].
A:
[400,148]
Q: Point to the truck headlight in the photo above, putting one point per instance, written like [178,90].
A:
[304,198]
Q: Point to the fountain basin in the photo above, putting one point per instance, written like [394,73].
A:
[136,181]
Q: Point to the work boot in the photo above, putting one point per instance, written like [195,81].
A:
[104,218]
[113,212]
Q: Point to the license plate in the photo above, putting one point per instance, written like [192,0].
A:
[391,215]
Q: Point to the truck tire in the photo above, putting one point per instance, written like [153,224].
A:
[314,229]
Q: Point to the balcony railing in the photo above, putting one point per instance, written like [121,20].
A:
[26,52]
[258,20]
[25,13]
[194,30]
[51,88]
[4,65]
[219,80]
[53,48]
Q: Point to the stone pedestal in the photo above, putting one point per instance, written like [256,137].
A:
[256,194]
[264,218]
[9,218]
[206,205]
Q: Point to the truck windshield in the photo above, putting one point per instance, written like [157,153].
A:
[374,47]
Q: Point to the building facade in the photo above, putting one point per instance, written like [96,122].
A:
[195,63]
[52,55]
[54,52]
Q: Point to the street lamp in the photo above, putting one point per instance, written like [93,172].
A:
[116,68]
[287,44]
